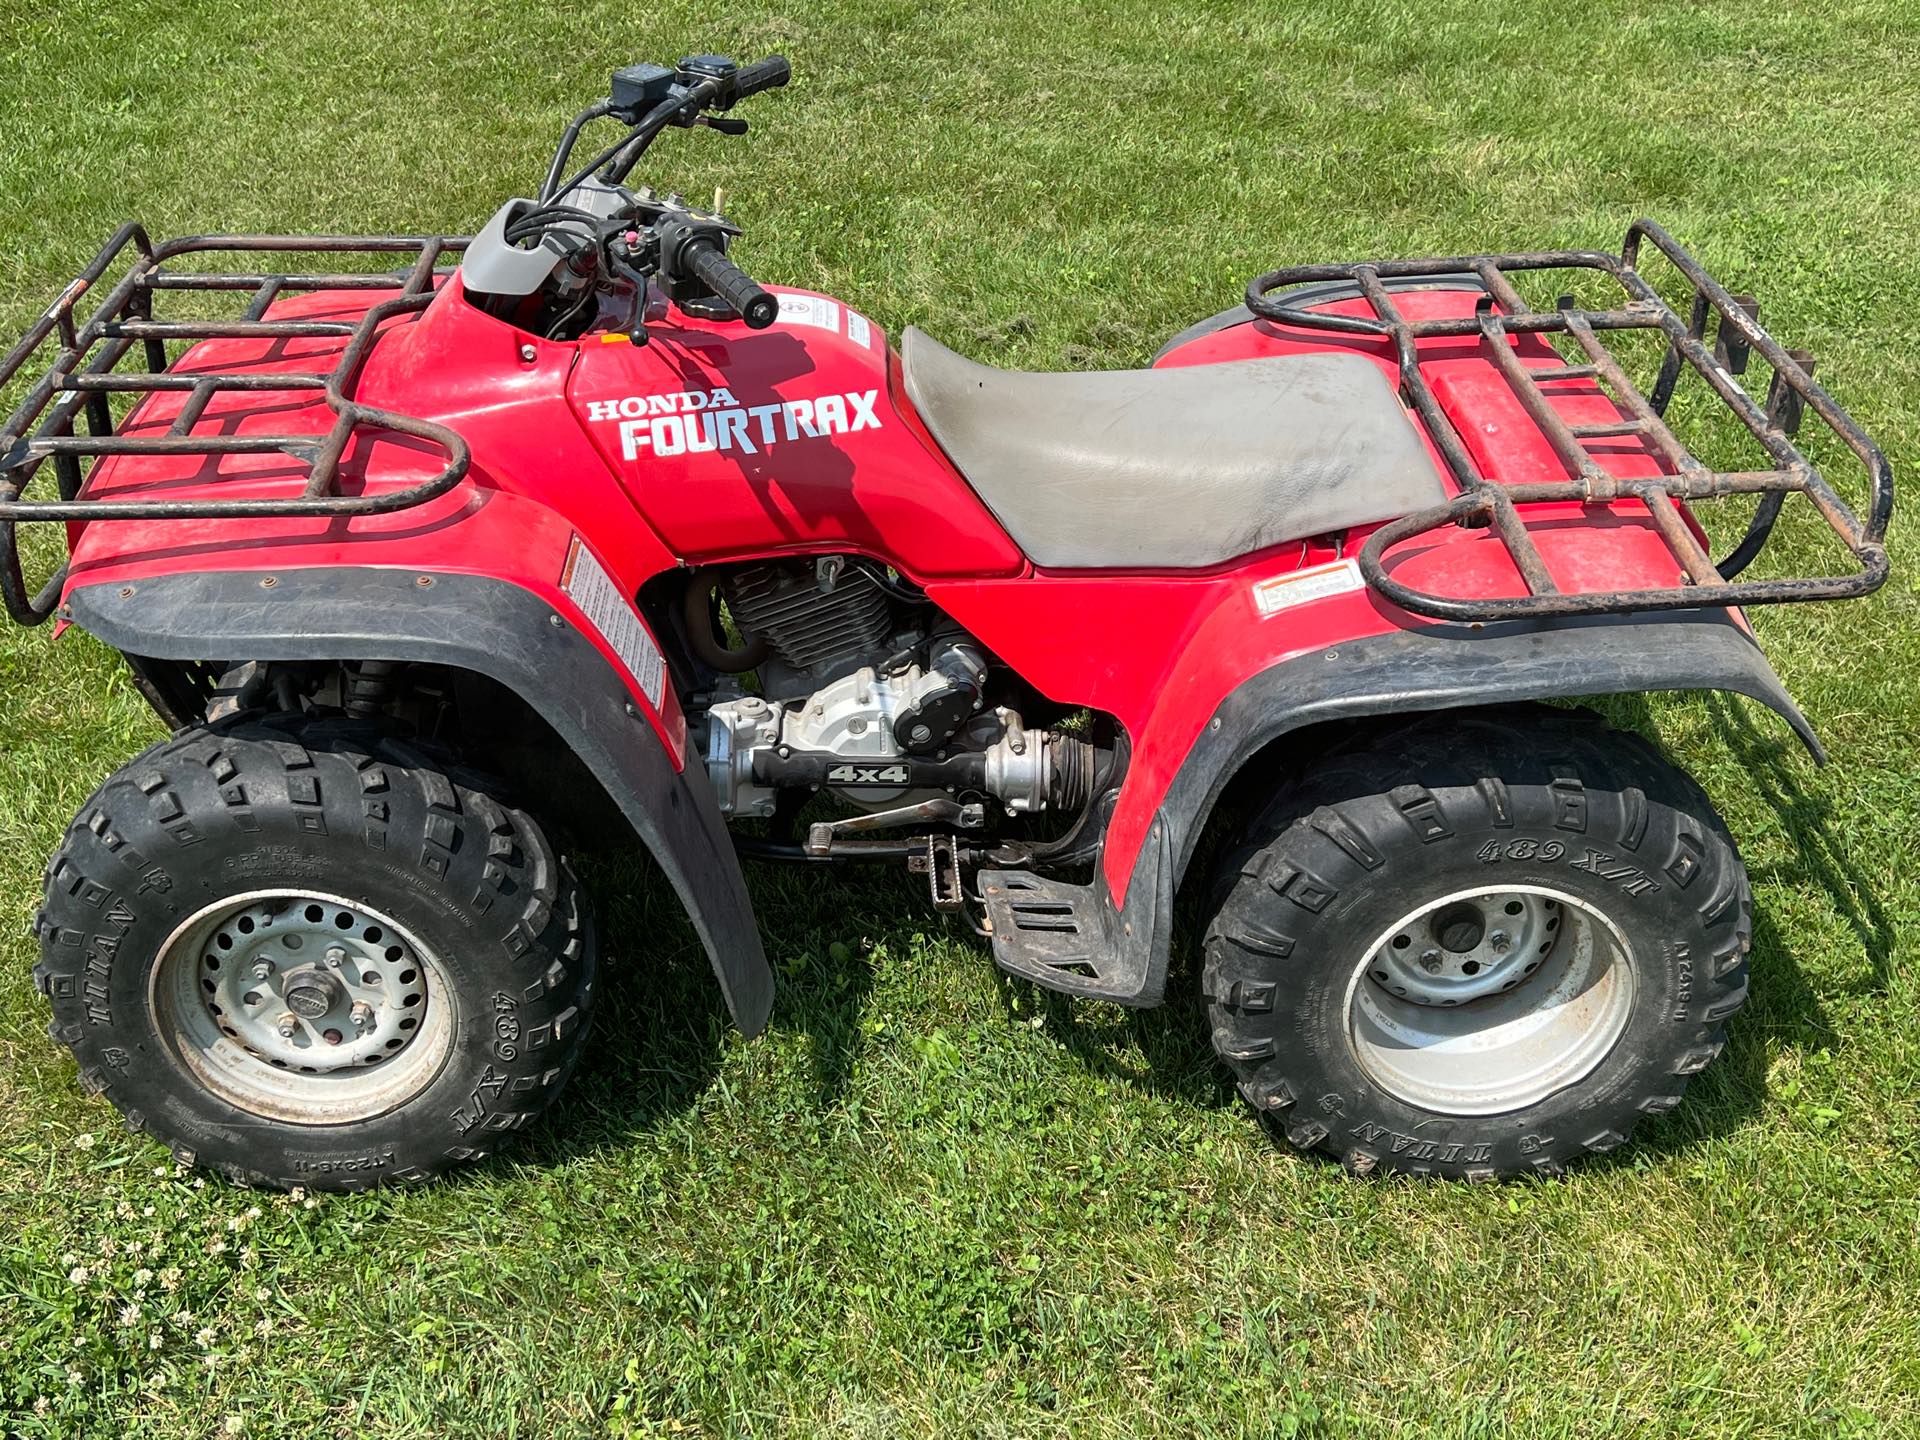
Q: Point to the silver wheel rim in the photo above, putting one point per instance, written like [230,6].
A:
[1486,1001]
[303,1007]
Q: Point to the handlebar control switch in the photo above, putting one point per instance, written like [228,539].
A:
[722,68]
[637,89]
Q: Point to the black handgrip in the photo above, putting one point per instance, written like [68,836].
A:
[768,74]
[714,270]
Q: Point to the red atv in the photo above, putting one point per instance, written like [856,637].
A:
[595,521]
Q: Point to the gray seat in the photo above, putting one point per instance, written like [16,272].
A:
[1173,469]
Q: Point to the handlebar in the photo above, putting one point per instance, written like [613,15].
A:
[768,74]
[710,265]
[674,98]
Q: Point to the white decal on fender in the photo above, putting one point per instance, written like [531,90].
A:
[694,422]
[1316,582]
[815,310]
[587,584]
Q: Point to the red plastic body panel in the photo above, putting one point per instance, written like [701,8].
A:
[713,442]
[736,442]
[1161,652]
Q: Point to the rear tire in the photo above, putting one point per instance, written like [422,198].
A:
[301,953]
[1479,945]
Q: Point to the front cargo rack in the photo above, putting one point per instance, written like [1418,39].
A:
[1502,314]
[83,375]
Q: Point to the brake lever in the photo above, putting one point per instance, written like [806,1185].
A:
[620,259]
[725,124]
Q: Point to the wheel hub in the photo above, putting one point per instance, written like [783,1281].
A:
[1486,1002]
[302,1006]
[1465,949]
[311,994]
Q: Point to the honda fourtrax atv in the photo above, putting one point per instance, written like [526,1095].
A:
[443,555]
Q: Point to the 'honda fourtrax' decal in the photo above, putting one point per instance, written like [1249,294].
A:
[696,421]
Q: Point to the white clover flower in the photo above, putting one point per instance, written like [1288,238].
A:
[147,1212]
[69,1259]
[129,1315]
[253,1212]
[264,1328]
[159,1172]
[234,1424]
[299,1192]
[170,1278]
[74,1375]
[123,1210]
[216,1247]
[263,1293]
[154,1341]
[142,1278]
[247,1255]
[205,1336]
[199,1181]
[84,1140]
[235,1222]
[135,1247]
[78,1275]
[41,1404]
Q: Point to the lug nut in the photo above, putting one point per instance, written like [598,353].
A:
[1430,961]
[288,1026]
[335,956]
[361,1015]
[262,969]
[1500,942]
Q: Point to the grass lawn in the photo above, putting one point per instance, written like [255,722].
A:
[927,1203]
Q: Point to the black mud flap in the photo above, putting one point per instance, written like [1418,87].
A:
[1449,667]
[495,629]
[1442,667]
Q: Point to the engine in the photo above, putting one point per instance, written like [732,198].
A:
[880,709]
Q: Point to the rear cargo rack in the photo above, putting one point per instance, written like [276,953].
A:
[1502,314]
[83,375]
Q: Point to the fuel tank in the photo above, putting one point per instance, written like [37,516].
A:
[736,442]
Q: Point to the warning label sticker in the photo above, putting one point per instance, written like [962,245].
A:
[588,585]
[810,310]
[1316,582]
[858,330]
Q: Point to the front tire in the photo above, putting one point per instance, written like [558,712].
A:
[301,953]
[1479,945]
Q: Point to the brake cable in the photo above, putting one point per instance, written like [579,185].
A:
[641,136]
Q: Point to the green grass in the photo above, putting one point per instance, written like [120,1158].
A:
[926,1203]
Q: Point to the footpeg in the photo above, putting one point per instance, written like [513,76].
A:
[1072,938]
[941,865]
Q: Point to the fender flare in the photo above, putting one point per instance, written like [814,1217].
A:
[1444,667]
[494,628]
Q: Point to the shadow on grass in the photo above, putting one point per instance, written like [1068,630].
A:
[1783,1011]
[1807,821]
[660,1022]
[1163,1051]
